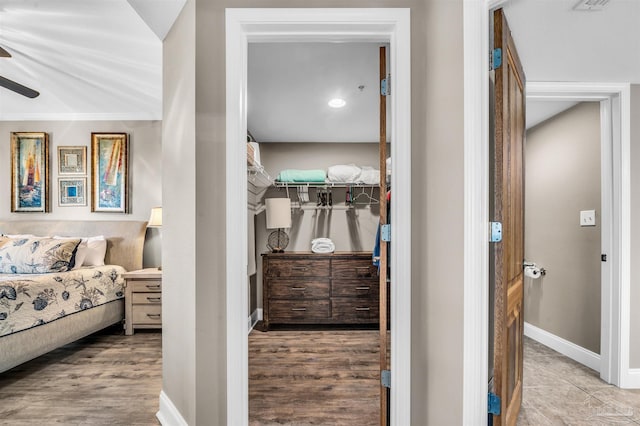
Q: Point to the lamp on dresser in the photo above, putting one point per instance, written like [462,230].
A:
[278,217]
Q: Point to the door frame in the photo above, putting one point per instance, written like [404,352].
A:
[389,25]
[476,214]
[614,102]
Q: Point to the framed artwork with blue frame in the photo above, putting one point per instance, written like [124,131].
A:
[110,172]
[72,191]
[29,172]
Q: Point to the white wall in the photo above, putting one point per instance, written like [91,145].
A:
[145,171]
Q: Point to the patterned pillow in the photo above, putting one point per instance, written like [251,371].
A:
[3,240]
[37,255]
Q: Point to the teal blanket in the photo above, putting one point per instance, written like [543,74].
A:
[292,175]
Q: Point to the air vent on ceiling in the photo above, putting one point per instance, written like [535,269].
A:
[590,5]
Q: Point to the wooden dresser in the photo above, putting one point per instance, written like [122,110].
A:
[310,288]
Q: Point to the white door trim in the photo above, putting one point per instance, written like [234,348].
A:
[476,143]
[390,25]
[615,112]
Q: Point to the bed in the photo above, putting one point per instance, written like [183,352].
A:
[91,298]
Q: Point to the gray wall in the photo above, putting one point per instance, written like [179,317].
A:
[563,177]
[145,156]
[634,347]
[179,191]
[196,280]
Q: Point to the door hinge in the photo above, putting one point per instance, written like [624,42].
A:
[496,232]
[495,59]
[385,232]
[385,378]
[385,86]
[493,403]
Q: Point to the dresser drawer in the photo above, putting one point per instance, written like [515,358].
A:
[285,268]
[299,289]
[355,288]
[355,310]
[353,268]
[147,314]
[146,298]
[145,285]
[299,310]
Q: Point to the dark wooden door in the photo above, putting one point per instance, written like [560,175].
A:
[508,208]
[384,295]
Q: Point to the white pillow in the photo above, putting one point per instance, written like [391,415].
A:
[91,251]
[96,250]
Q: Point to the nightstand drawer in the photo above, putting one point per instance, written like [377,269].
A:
[299,289]
[299,310]
[147,314]
[285,268]
[146,298]
[145,285]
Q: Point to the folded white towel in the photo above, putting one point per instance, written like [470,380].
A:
[343,173]
[322,245]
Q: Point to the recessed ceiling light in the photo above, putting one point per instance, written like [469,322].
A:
[337,103]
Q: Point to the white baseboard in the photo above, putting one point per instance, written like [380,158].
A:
[168,414]
[254,318]
[632,381]
[565,347]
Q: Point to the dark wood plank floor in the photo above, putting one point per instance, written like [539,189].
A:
[314,377]
[103,379]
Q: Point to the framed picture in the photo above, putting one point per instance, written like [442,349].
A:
[29,172]
[110,172]
[72,191]
[72,160]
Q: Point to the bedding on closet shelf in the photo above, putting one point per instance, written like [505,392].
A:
[292,175]
[30,300]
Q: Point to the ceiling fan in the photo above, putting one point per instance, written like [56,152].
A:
[12,85]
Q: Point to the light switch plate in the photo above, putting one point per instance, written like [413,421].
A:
[588,218]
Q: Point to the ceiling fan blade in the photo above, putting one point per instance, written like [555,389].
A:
[18,88]
[4,53]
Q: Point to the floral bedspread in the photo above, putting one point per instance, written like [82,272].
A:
[29,300]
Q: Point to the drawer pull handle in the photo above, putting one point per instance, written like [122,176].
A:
[298,288]
[298,309]
[363,309]
[154,316]
[153,287]
[299,268]
[363,288]
[154,299]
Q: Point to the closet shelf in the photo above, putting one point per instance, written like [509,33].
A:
[324,184]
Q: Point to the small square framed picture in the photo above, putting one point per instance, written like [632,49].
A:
[72,192]
[72,160]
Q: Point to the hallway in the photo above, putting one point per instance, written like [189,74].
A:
[559,391]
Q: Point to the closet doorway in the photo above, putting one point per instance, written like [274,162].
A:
[314,120]
[377,25]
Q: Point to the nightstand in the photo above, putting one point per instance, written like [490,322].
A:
[142,299]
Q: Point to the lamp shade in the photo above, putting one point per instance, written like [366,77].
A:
[278,212]
[155,220]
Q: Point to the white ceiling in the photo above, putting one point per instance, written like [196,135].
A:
[290,85]
[102,59]
[89,59]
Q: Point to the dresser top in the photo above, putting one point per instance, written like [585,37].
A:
[325,255]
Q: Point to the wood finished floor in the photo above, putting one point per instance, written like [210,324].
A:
[104,379]
[296,378]
[314,377]
[559,391]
